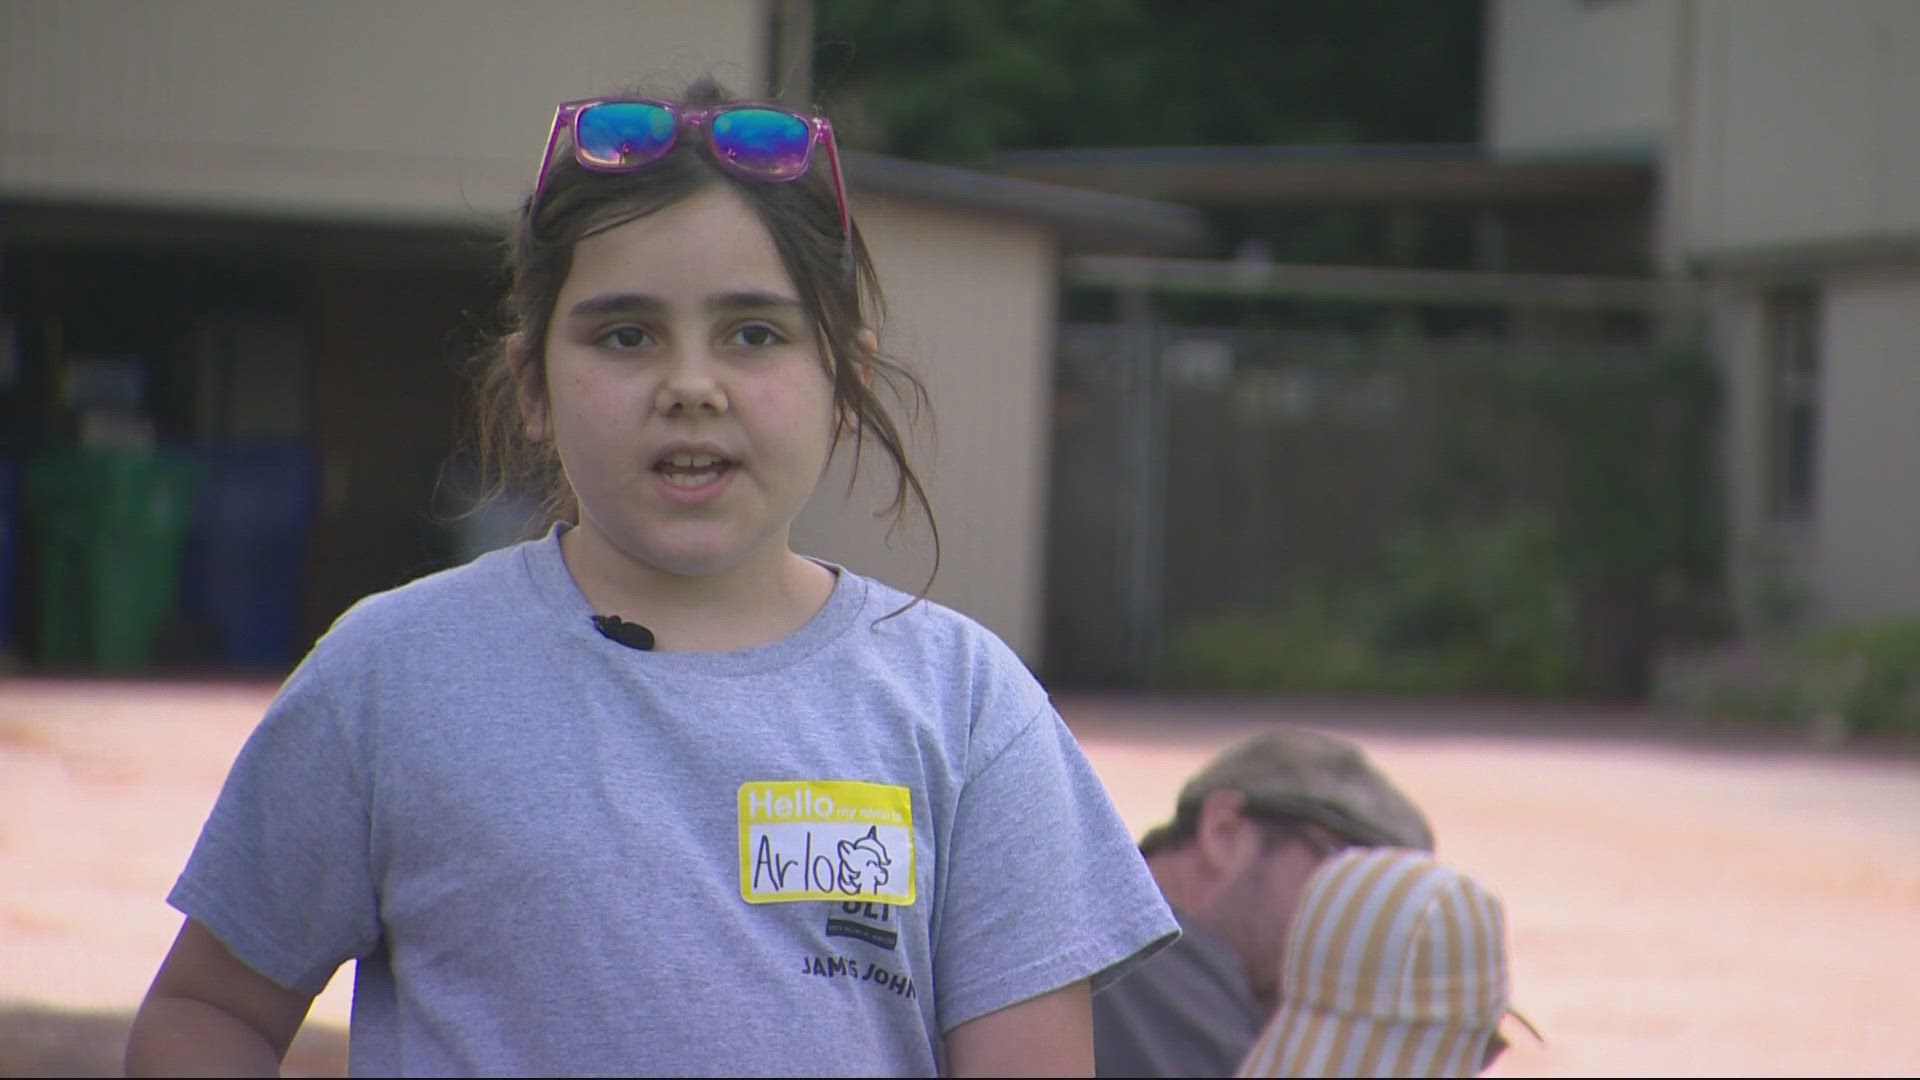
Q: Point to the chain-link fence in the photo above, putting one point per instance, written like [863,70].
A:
[1389,488]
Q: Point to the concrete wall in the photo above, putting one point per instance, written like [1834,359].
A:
[972,303]
[1567,75]
[428,110]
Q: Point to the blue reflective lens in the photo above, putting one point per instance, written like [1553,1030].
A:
[623,132]
[764,142]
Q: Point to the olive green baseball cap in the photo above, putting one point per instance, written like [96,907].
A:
[1317,777]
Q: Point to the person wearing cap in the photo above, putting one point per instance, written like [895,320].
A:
[1248,831]
[1395,965]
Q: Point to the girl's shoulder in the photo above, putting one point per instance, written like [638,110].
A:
[939,645]
[902,620]
[452,602]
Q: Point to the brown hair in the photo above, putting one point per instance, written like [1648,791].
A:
[802,218]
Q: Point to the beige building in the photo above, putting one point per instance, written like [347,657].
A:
[296,201]
[1790,193]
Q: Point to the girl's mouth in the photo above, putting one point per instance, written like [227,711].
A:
[686,470]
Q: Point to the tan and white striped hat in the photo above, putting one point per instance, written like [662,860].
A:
[1396,965]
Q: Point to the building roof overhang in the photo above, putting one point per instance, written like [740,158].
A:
[1230,175]
[1803,260]
[1087,221]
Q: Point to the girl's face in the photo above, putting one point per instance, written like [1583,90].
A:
[685,391]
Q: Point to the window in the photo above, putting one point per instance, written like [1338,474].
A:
[1791,340]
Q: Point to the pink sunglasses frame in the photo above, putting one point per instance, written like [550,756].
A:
[566,119]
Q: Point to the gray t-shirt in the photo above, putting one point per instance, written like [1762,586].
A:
[1188,1011]
[553,854]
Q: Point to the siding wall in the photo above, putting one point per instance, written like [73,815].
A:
[971,309]
[1578,74]
[1858,556]
[1788,129]
[1802,123]
[1867,514]
[428,110]
[1783,121]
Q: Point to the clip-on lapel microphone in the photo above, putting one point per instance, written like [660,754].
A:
[630,634]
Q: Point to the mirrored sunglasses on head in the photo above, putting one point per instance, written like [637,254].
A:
[750,140]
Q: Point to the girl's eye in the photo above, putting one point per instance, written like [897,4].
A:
[757,336]
[624,337]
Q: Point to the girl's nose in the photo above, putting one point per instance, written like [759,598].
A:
[691,384]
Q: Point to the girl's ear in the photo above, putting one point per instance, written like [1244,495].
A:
[530,389]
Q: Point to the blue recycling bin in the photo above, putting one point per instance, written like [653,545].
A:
[246,556]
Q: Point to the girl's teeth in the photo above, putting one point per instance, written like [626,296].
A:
[691,480]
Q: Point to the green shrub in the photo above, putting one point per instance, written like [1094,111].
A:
[1473,606]
[1865,674]
[1304,650]
[1764,683]
[1485,605]
[1885,696]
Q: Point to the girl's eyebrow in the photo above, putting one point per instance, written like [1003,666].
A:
[752,300]
[641,304]
[617,304]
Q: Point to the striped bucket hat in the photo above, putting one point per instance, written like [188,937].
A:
[1396,965]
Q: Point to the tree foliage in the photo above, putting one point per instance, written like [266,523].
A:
[962,80]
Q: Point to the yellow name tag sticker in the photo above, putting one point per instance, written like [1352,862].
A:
[825,840]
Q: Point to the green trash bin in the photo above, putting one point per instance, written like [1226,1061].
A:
[108,526]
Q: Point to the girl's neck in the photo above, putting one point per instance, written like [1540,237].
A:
[757,603]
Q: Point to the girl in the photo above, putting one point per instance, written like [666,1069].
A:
[656,794]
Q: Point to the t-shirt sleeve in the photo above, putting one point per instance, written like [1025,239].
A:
[281,872]
[1044,886]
